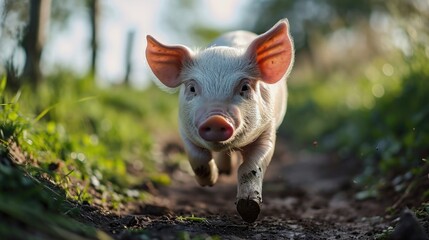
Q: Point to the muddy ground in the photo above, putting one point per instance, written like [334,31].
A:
[306,195]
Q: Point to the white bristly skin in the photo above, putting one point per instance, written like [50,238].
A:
[242,78]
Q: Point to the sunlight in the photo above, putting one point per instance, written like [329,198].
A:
[223,12]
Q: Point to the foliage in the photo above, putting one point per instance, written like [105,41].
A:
[376,114]
[310,18]
[29,201]
[30,206]
[72,144]
[395,140]
[106,128]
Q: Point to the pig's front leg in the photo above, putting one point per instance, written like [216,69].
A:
[204,167]
[256,158]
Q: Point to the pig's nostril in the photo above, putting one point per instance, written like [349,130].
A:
[215,129]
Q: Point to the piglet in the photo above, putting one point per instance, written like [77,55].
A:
[232,99]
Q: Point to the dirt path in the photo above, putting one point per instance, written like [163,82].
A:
[306,196]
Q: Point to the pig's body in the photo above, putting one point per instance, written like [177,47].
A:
[232,99]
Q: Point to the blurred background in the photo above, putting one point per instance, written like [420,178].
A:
[83,36]
[72,32]
[77,91]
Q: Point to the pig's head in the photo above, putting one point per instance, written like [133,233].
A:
[225,100]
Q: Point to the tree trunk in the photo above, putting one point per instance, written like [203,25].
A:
[128,56]
[94,7]
[35,38]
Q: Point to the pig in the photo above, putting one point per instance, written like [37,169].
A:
[232,99]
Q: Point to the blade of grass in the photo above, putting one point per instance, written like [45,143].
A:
[191,218]
[44,112]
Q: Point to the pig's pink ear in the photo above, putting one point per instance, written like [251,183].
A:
[273,52]
[165,61]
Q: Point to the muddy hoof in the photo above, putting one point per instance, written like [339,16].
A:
[248,210]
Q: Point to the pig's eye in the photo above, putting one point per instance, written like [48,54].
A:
[191,89]
[244,89]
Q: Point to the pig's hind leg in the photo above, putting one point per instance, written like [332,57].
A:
[226,160]
[202,163]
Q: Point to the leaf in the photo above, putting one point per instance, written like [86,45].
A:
[44,112]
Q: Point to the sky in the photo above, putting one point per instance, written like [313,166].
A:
[70,47]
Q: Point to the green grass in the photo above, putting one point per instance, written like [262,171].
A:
[32,209]
[107,128]
[66,140]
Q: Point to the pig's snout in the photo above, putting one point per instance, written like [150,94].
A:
[216,129]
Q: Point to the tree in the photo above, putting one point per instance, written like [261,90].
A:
[94,14]
[128,56]
[35,38]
